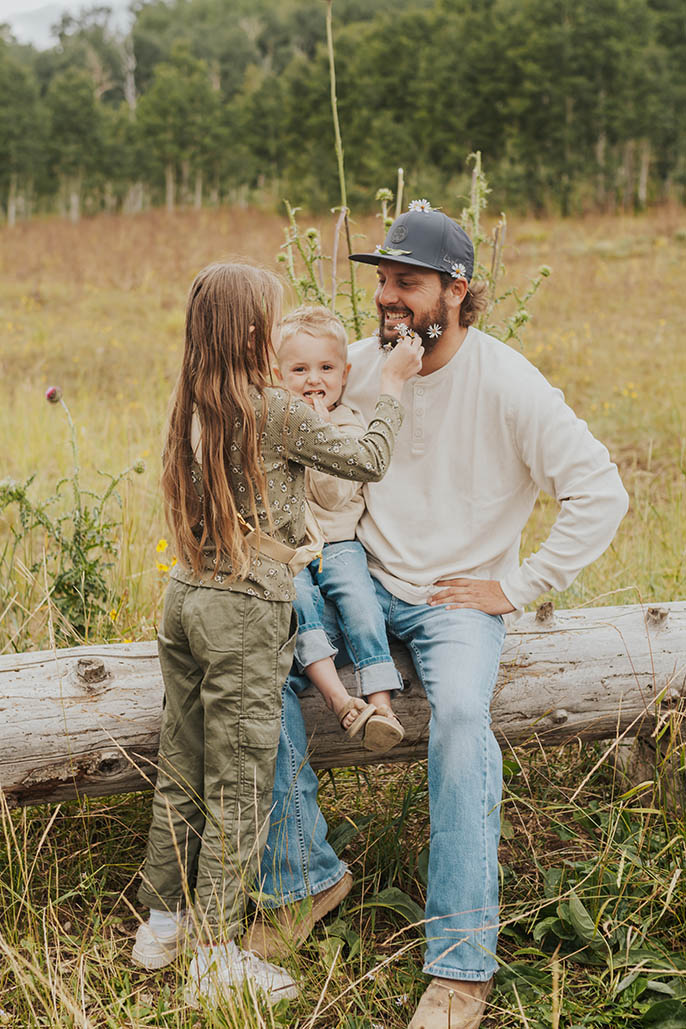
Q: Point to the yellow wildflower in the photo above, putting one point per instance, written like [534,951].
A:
[161,546]
[162,567]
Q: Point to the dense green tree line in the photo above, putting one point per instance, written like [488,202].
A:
[573,105]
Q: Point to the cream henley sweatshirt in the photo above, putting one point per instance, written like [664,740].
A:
[481,437]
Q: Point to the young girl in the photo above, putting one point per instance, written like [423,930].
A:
[234,460]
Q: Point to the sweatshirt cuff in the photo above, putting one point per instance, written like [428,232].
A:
[517,590]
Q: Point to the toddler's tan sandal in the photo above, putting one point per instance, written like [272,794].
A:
[383,730]
[365,710]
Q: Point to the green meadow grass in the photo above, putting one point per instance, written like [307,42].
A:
[594,913]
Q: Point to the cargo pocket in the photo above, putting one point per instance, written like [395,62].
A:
[259,741]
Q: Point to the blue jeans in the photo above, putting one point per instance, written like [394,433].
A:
[344,579]
[456,656]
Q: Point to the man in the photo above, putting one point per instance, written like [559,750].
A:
[483,433]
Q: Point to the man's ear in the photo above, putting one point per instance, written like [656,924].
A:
[457,291]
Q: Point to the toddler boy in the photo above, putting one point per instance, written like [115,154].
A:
[313,364]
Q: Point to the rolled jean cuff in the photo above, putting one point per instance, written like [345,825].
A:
[379,677]
[315,886]
[312,645]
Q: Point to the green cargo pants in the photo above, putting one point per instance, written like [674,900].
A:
[224,657]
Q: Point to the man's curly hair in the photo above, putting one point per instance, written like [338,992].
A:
[474,303]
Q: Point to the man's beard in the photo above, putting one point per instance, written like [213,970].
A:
[439,316]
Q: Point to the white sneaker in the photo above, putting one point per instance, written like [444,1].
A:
[154,950]
[213,971]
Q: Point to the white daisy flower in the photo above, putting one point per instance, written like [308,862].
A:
[458,270]
[422,205]
[434,331]
[402,329]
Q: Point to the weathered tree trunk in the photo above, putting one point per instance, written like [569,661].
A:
[86,720]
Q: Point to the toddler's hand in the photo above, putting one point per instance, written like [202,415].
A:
[320,407]
[405,360]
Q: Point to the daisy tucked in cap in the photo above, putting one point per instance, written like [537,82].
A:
[420,205]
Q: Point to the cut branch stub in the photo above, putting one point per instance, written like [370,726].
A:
[91,671]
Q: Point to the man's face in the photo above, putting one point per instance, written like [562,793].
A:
[411,295]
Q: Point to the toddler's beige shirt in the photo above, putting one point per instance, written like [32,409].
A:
[337,503]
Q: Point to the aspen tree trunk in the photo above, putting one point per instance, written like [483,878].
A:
[643,173]
[601,181]
[74,198]
[170,187]
[12,200]
[185,180]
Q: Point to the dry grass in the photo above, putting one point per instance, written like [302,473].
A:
[98,309]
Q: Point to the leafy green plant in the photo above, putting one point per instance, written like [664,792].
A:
[76,537]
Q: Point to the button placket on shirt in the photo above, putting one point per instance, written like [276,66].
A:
[418,413]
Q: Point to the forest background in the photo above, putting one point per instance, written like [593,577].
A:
[573,105]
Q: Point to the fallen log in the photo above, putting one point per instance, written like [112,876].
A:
[86,720]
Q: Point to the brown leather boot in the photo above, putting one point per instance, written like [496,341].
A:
[277,933]
[451,1004]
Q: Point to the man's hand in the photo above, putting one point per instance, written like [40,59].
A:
[479,594]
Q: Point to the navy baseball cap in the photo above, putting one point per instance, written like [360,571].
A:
[428,239]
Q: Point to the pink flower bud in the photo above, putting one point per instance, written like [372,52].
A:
[53,395]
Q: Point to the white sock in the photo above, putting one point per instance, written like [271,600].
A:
[165,923]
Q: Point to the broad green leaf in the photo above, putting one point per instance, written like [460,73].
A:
[657,987]
[345,832]
[394,899]
[520,972]
[666,1014]
[423,865]
[582,922]
[549,925]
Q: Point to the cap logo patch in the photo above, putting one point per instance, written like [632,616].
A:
[398,235]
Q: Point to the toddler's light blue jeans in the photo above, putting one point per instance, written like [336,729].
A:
[456,655]
[344,580]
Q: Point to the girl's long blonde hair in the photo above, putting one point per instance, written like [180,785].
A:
[229,317]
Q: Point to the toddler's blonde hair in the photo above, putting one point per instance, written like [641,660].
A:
[317,322]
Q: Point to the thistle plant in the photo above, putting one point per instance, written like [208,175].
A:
[76,543]
[493,270]
[309,283]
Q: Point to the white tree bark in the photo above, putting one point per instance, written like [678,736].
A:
[170,187]
[74,188]
[12,200]
[197,194]
[86,720]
